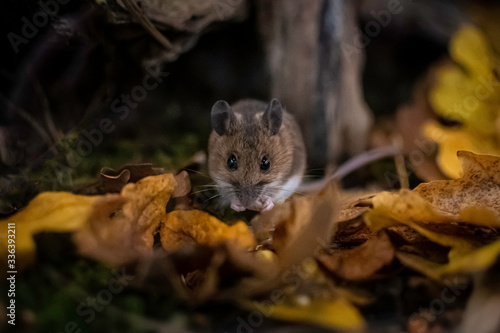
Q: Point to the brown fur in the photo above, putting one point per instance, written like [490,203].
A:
[250,141]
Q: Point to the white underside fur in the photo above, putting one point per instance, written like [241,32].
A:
[287,190]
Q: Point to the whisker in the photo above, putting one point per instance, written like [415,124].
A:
[201,191]
[204,175]
[212,197]
[209,185]
[283,188]
[277,187]
[198,173]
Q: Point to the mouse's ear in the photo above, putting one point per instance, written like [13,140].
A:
[273,117]
[222,117]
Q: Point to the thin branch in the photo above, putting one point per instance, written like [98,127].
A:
[143,20]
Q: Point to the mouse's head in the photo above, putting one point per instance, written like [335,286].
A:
[249,157]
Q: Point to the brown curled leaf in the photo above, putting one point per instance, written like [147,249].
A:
[183,185]
[361,262]
[181,229]
[459,214]
[112,181]
[473,197]
[121,227]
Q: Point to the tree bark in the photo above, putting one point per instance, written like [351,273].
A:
[311,75]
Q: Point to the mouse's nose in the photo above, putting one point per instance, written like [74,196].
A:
[249,192]
[252,197]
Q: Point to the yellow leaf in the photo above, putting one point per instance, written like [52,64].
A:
[48,211]
[333,314]
[449,92]
[470,48]
[469,100]
[121,227]
[146,201]
[419,264]
[478,189]
[468,92]
[473,198]
[296,230]
[406,205]
[452,140]
[459,245]
[181,228]
[477,260]
[377,220]
[298,226]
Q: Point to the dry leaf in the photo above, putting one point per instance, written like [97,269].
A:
[402,206]
[351,233]
[299,226]
[181,229]
[121,227]
[229,255]
[299,229]
[458,84]
[48,211]
[476,260]
[332,314]
[472,199]
[349,204]
[111,181]
[183,185]
[467,92]
[452,140]
[361,262]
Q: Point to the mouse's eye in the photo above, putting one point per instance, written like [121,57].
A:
[265,164]
[232,163]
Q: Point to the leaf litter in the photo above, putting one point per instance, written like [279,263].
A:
[315,259]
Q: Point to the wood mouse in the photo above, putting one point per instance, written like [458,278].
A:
[256,154]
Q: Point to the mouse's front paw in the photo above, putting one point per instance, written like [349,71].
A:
[266,204]
[237,206]
[262,204]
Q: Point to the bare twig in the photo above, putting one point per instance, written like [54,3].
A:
[143,20]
